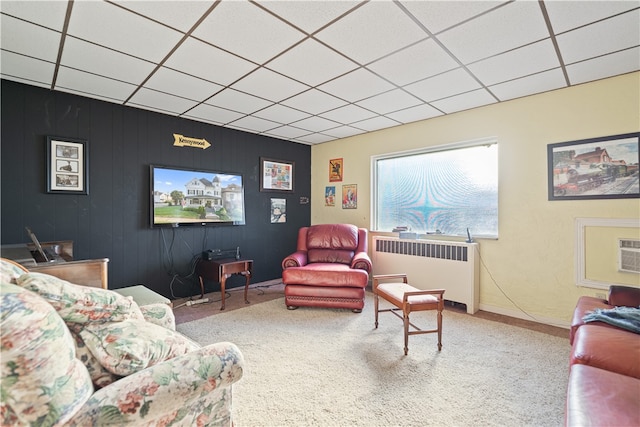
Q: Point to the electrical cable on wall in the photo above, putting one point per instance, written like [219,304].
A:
[502,291]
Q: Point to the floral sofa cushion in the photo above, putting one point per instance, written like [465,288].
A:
[126,347]
[160,314]
[43,383]
[10,271]
[81,304]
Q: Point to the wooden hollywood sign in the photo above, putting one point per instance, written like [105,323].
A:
[185,141]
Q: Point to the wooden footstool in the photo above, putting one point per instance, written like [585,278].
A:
[396,290]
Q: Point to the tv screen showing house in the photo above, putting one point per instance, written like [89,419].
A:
[195,197]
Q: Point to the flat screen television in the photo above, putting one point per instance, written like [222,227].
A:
[195,197]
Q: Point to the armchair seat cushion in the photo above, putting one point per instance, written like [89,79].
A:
[326,274]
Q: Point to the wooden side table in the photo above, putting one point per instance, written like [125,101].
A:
[220,270]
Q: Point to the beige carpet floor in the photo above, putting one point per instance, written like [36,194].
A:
[323,367]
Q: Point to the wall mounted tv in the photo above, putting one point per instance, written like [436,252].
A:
[195,197]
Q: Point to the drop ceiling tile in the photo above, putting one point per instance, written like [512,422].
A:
[94,86]
[207,62]
[390,101]
[564,15]
[213,114]
[505,28]
[238,101]
[180,84]
[247,30]
[162,101]
[443,85]
[375,123]
[269,85]
[109,25]
[356,85]
[342,132]
[181,15]
[49,14]
[516,63]
[41,43]
[601,38]
[311,63]
[287,132]
[281,114]
[348,114]
[414,114]
[256,124]
[315,124]
[309,16]
[372,31]
[314,138]
[314,102]
[26,70]
[437,16]
[465,101]
[99,60]
[414,63]
[605,66]
[536,83]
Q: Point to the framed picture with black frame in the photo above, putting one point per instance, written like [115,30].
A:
[596,168]
[67,166]
[276,175]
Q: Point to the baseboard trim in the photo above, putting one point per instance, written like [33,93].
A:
[525,316]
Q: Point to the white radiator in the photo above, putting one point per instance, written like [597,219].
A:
[432,264]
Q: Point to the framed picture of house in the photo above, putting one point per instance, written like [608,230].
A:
[336,169]
[596,168]
[276,175]
[67,171]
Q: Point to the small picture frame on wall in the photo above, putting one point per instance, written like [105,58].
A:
[276,175]
[350,196]
[595,168]
[336,170]
[330,196]
[67,168]
[278,211]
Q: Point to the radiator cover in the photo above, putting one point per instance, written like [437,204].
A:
[433,264]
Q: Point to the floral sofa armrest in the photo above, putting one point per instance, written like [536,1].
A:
[361,261]
[194,389]
[296,259]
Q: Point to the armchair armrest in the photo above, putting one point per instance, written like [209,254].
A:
[296,259]
[187,390]
[626,296]
[361,261]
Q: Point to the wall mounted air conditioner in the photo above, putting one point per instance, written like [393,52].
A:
[629,255]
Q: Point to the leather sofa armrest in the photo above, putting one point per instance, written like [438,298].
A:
[626,296]
[361,261]
[296,259]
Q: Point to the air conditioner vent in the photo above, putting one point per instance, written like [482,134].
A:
[629,255]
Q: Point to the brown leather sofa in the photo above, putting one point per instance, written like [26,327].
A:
[330,268]
[604,376]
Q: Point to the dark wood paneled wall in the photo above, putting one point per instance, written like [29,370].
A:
[113,219]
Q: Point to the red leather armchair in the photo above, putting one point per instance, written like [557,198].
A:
[330,268]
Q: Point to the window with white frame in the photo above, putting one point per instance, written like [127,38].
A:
[442,190]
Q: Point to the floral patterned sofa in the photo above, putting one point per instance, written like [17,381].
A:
[80,356]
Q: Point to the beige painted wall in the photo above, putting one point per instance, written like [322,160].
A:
[529,271]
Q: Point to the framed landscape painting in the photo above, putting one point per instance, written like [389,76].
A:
[595,168]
